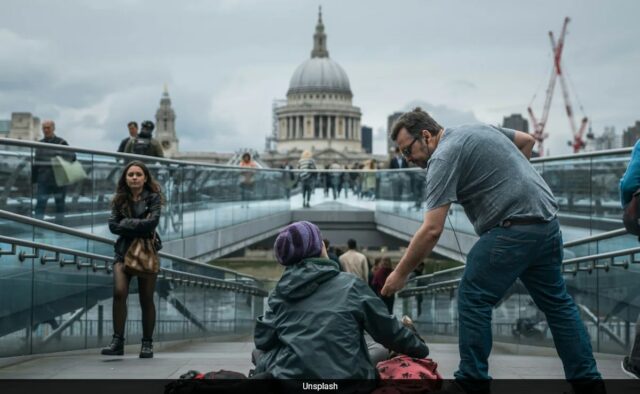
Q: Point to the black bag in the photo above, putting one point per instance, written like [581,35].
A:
[631,215]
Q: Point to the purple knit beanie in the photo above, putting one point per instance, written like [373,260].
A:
[296,242]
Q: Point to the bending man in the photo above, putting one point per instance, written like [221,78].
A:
[486,170]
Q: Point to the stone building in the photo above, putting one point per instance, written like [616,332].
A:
[21,126]
[318,115]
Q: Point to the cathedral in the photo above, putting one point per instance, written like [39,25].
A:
[318,115]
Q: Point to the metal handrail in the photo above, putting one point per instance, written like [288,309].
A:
[166,273]
[583,155]
[597,237]
[58,249]
[602,256]
[34,144]
[577,261]
[129,156]
[77,233]
[576,242]
[235,168]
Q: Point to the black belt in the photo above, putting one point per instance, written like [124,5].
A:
[521,221]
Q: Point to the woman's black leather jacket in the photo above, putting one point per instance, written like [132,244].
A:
[135,220]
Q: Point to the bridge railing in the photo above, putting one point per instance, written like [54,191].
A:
[55,298]
[200,197]
[585,186]
[603,284]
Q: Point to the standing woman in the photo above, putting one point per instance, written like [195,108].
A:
[135,212]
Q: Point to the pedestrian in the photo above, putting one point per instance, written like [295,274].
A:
[42,174]
[369,179]
[629,185]
[355,262]
[382,273]
[314,325]
[133,133]
[398,178]
[144,143]
[135,213]
[417,272]
[486,170]
[330,253]
[246,178]
[306,177]
[335,181]
[288,179]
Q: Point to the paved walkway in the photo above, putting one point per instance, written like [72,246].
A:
[235,354]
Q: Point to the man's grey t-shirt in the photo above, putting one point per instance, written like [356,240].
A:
[479,167]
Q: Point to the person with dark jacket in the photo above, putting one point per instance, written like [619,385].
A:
[135,213]
[629,184]
[133,133]
[378,280]
[42,172]
[314,325]
[144,143]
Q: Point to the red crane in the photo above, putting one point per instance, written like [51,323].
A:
[556,73]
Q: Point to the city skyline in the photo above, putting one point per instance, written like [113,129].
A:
[93,67]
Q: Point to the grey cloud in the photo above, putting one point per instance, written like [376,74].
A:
[96,65]
[445,116]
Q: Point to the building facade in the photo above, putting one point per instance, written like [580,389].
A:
[391,119]
[22,126]
[516,122]
[367,139]
[631,135]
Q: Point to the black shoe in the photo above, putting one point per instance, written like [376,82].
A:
[146,350]
[630,369]
[116,348]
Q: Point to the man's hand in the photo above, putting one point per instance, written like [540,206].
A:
[394,282]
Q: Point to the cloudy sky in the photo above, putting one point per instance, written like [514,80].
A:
[94,65]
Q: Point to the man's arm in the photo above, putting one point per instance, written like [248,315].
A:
[524,142]
[422,243]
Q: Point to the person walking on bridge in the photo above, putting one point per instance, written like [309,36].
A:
[307,179]
[486,170]
[42,173]
[355,262]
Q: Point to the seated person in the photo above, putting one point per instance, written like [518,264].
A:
[315,322]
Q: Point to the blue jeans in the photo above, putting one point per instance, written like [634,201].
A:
[532,253]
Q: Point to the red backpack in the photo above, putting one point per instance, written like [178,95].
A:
[404,374]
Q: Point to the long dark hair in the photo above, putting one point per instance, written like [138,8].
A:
[123,193]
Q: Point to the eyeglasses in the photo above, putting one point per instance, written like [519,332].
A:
[406,152]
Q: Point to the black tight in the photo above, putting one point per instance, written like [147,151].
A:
[146,287]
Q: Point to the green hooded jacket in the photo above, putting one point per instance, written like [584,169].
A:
[314,325]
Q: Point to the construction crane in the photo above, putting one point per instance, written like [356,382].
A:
[557,73]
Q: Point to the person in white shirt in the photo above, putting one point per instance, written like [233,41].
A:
[355,262]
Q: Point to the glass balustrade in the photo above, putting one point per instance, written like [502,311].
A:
[199,197]
[53,302]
